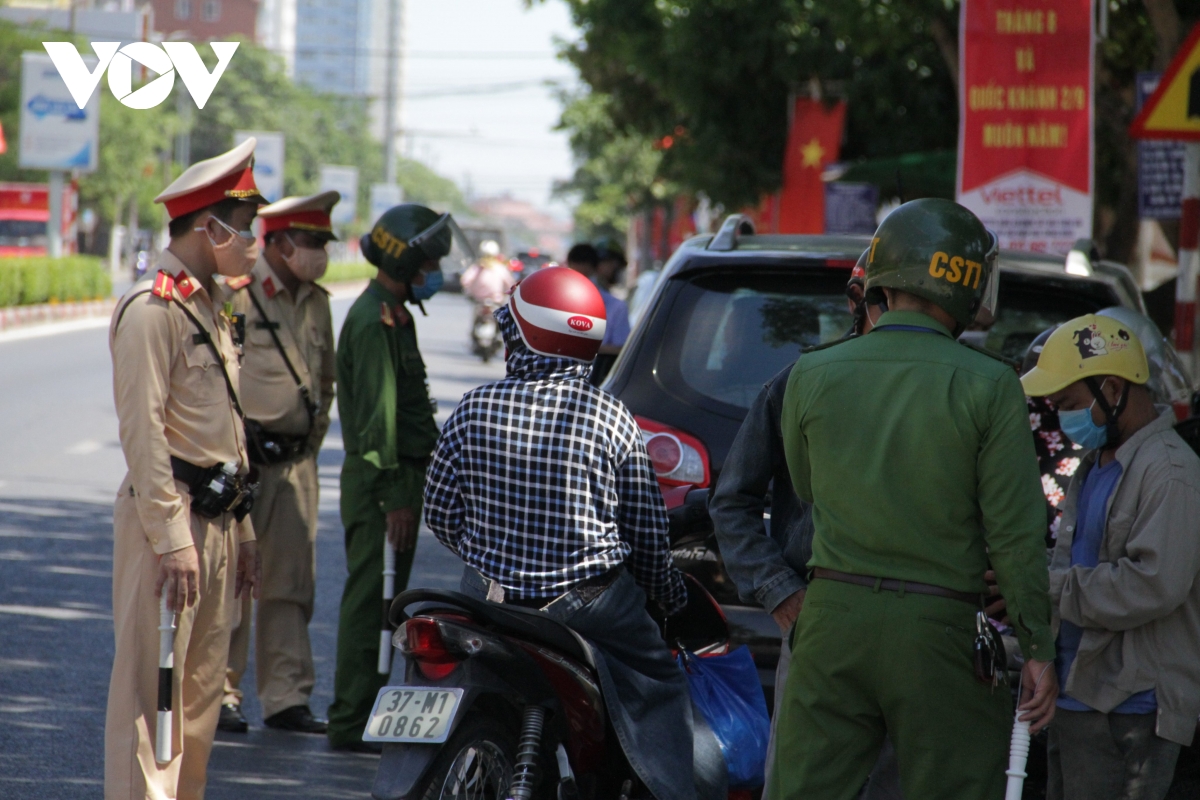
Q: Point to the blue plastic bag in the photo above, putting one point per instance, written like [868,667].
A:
[727,691]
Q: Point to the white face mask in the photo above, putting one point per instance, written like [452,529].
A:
[306,263]
[236,256]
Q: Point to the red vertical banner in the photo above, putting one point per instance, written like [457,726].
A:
[1025,145]
[813,144]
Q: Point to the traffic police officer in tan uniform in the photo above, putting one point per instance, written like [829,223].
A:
[287,388]
[180,524]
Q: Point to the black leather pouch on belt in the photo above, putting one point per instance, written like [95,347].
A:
[216,490]
[272,448]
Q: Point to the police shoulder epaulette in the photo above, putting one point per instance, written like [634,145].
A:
[240,282]
[164,285]
[827,345]
[991,354]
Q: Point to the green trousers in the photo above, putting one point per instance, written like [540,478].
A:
[866,663]
[357,679]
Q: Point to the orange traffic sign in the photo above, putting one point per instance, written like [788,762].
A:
[1173,111]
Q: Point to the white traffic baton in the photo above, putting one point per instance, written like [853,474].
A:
[1018,755]
[389,590]
[166,680]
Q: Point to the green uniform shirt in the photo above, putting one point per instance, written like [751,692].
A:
[917,456]
[383,398]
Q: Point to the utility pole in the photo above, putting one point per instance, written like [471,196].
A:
[395,30]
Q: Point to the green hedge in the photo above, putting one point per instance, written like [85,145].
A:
[40,279]
[343,271]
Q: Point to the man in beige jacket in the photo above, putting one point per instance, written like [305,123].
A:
[288,372]
[1123,577]
[180,528]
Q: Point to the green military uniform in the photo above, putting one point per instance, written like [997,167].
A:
[388,431]
[916,454]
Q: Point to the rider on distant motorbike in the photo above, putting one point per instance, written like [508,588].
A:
[542,485]
[488,281]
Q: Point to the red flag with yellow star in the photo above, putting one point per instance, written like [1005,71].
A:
[813,144]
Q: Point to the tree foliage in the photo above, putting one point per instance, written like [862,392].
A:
[716,76]
[137,146]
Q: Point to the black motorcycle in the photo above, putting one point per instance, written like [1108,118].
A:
[486,339]
[504,702]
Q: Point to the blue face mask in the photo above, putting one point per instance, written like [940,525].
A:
[1081,429]
[433,283]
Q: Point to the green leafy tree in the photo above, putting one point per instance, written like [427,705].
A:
[13,42]
[716,76]
[618,170]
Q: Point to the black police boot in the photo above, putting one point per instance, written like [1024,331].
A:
[297,718]
[232,720]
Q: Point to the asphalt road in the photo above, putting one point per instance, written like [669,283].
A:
[60,465]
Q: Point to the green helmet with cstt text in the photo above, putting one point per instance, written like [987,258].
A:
[938,250]
[405,237]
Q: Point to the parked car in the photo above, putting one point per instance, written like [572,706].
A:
[731,310]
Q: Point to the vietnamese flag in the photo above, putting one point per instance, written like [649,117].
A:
[813,144]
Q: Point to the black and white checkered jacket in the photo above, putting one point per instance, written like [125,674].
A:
[541,480]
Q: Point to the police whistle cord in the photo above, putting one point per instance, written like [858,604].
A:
[166,670]
[389,589]
[1018,750]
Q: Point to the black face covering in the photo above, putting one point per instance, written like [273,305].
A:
[1111,415]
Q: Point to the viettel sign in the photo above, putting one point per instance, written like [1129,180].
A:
[164,60]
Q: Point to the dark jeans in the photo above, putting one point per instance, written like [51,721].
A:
[645,692]
[1094,756]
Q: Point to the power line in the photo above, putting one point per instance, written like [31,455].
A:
[492,88]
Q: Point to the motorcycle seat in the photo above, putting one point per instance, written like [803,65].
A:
[522,623]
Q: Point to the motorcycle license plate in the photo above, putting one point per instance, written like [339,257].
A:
[412,714]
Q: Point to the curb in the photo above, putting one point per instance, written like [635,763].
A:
[14,317]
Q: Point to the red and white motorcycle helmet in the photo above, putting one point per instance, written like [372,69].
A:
[559,313]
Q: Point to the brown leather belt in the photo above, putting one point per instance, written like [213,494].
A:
[893,585]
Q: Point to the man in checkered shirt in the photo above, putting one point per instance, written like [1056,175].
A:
[542,485]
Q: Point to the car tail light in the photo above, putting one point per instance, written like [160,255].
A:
[679,458]
[515,265]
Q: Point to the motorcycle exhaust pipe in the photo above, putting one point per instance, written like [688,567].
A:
[166,674]
[389,589]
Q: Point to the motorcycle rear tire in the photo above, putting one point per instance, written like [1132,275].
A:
[476,763]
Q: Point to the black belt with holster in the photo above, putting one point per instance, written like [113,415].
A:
[216,490]
[267,448]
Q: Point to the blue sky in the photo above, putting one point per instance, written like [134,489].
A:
[474,98]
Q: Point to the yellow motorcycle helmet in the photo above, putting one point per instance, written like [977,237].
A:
[1087,347]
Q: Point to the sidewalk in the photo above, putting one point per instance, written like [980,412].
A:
[47,319]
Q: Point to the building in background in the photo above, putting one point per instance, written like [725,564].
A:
[277,30]
[203,20]
[341,46]
[525,226]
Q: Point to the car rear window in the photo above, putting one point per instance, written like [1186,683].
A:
[1029,305]
[735,332]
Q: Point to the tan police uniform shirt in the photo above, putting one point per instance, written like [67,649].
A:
[172,400]
[305,330]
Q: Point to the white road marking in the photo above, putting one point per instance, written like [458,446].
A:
[84,448]
[91,573]
[52,328]
[47,612]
